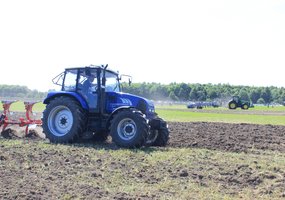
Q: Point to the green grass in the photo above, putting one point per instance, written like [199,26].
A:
[270,108]
[257,115]
[188,116]
[256,108]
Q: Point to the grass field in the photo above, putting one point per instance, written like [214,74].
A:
[256,108]
[257,115]
[188,116]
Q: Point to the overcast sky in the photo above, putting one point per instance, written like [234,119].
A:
[237,42]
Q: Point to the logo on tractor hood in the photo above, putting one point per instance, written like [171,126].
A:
[126,101]
[134,100]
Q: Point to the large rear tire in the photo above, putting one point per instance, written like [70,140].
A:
[64,120]
[129,128]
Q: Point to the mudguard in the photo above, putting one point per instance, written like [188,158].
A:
[78,97]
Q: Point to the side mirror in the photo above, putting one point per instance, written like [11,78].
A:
[129,78]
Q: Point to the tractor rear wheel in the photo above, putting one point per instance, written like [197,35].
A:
[245,107]
[232,105]
[129,128]
[64,120]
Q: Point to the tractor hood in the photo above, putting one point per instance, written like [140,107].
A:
[116,100]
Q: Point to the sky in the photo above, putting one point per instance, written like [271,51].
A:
[207,41]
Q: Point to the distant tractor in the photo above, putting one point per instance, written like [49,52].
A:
[236,102]
[197,105]
[91,105]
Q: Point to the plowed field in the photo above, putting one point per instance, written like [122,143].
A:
[202,161]
[227,137]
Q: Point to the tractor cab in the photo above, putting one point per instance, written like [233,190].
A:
[88,83]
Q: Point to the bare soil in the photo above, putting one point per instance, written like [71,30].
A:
[34,172]
[227,137]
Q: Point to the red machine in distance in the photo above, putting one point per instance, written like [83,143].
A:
[28,121]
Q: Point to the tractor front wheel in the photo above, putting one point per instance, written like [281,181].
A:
[159,134]
[129,128]
[163,137]
[244,106]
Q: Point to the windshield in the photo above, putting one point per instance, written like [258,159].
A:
[70,80]
[112,82]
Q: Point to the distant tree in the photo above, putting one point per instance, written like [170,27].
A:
[193,92]
[193,96]
[254,95]
[282,97]
[173,97]
[266,95]
[260,101]
[20,92]
[243,94]
[202,96]
[212,94]
[184,92]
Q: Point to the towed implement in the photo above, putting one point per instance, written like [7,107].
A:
[91,105]
[5,119]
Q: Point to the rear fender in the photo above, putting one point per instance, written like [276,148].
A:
[73,95]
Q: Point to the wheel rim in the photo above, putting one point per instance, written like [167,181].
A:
[232,105]
[127,129]
[60,121]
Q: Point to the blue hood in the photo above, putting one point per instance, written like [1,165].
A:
[116,100]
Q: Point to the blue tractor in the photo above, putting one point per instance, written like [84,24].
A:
[91,105]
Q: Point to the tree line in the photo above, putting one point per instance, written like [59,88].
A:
[22,92]
[206,92]
[175,92]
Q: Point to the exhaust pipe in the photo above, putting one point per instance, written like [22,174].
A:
[103,89]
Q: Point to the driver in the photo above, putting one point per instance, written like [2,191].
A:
[88,93]
[88,83]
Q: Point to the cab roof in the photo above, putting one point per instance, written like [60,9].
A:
[93,67]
